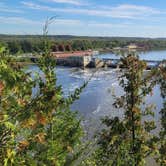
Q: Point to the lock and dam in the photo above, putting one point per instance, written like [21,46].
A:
[88,59]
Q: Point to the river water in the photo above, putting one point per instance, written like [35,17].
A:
[157,55]
[96,100]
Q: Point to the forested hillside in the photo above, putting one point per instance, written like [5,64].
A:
[33,43]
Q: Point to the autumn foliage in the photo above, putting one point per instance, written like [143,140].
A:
[35,129]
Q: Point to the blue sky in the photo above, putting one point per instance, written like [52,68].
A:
[141,18]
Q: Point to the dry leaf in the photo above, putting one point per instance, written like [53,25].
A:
[40,137]
[41,119]
[2,86]
[23,144]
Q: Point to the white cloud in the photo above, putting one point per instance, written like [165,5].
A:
[20,25]
[67,22]
[72,2]
[6,9]
[121,11]
[10,10]
[18,20]
[60,22]
[25,21]
[133,11]
[107,25]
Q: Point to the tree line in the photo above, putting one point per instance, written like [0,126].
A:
[31,44]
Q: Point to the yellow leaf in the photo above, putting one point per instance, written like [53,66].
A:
[136,110]
[21,102]
[23,144]
[69,148]
[29,123]
[40,137]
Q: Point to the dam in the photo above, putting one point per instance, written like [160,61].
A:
[87,59]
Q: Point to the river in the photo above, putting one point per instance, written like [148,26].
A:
[96,100]
[157,55]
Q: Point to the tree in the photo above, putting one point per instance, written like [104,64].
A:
[14,47]
[161,75]
[26,46]
[61,47]
[35,129]
[3,49]
[128,141]
[68,47]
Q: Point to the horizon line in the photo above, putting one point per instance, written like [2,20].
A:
[6,34]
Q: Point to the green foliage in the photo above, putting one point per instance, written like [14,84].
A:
[33,43]
[3,49]
[128,141]
[162,144]
[40,130]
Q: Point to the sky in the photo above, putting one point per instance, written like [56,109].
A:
[126,18]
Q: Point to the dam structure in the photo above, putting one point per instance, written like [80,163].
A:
[87,59]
